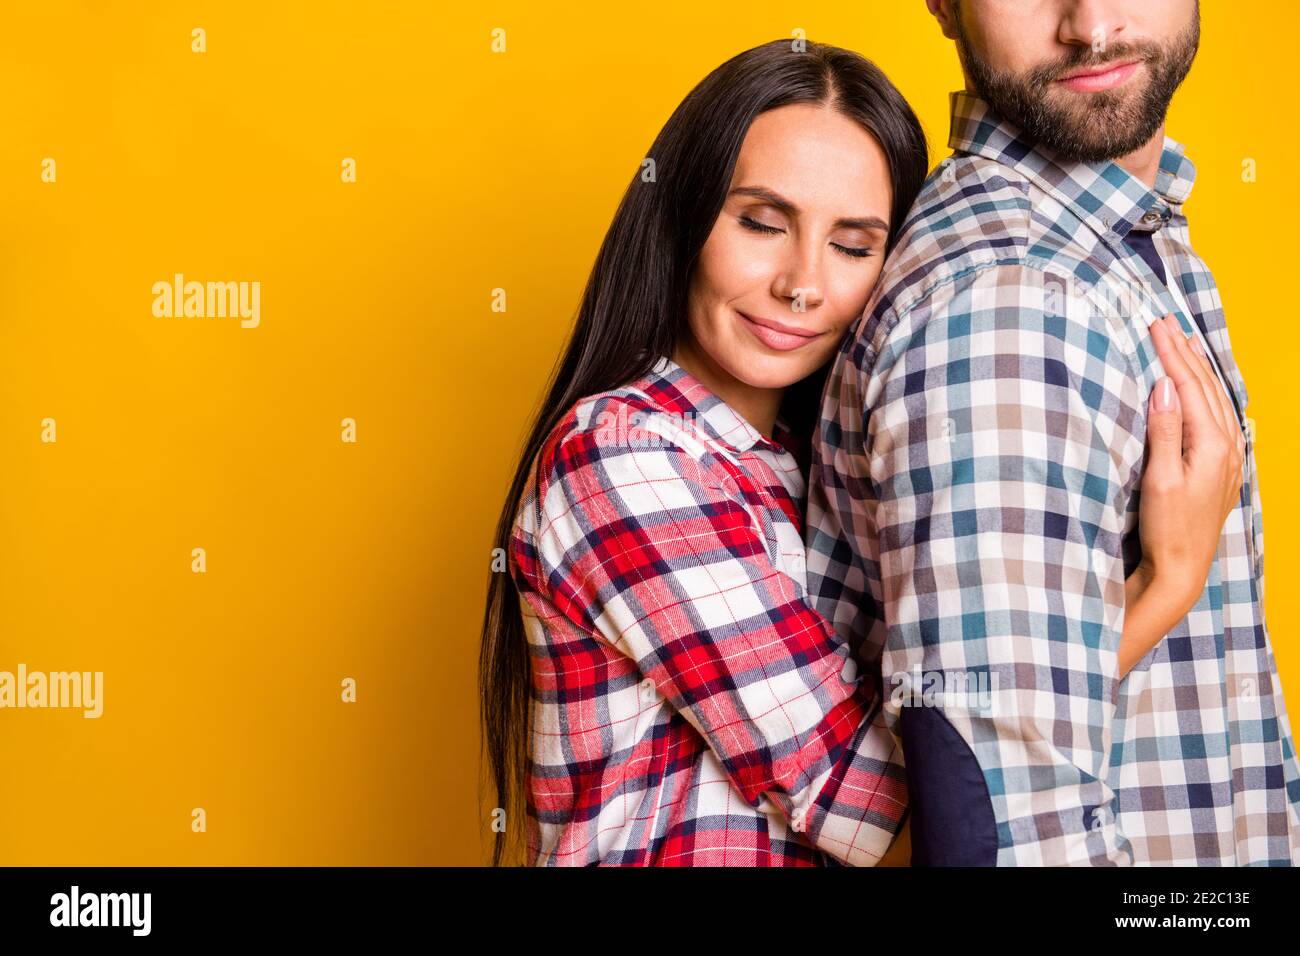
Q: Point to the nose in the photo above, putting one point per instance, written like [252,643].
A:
[799,281]
[1094,23]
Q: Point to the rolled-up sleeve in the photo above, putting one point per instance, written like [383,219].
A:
[653,550]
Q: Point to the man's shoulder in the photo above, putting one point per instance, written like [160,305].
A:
[977,224]
[972,213]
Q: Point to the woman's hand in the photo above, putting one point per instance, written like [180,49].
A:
[1191,484]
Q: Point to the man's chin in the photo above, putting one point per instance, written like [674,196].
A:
[1099,125]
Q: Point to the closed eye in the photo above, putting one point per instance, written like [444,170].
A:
[850,251]
[757,226]
[854,252]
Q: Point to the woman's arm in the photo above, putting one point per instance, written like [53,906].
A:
[649,546]
[1192,479]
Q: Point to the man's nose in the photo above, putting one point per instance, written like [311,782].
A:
[1094,23]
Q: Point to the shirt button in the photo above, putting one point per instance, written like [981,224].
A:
[1151,217]
[648,689]
[849,672]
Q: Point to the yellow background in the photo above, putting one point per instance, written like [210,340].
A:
[329,560]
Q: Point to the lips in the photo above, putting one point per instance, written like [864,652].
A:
[1096,79]
[777,335]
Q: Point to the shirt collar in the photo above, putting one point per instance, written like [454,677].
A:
[681,393]
[1104,195]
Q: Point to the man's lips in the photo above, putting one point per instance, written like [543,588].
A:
[1094,79]
[777,335]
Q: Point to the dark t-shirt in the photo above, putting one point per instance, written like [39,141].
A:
[1144,245]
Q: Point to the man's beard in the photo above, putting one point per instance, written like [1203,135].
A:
[1093,127]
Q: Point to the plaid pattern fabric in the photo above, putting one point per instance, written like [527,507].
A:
[973,511]
[690,707]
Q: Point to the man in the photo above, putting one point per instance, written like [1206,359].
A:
[973,499]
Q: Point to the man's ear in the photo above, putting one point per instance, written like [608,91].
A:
[942,10]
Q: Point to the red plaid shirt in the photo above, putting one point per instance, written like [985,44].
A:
[690,706]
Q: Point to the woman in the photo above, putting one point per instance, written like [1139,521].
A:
[656,685]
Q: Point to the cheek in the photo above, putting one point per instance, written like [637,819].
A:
[730,266]
[1164,21]
[713,284]
[1021,41]
[852,290]
[728,270]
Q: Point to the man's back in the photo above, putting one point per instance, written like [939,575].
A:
[973,514]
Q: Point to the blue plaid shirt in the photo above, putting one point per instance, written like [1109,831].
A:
[972,517]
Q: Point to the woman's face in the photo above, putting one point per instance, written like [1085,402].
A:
[796,250]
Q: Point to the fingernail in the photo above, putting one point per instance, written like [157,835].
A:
[1196,347]
[1165,395]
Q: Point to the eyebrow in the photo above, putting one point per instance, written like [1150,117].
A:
[785,205]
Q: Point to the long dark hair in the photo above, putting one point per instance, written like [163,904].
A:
[634,307]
